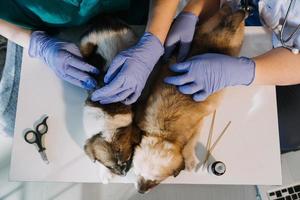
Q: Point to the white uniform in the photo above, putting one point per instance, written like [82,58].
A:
[273,12]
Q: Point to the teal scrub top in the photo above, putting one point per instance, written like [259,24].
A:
[37,14]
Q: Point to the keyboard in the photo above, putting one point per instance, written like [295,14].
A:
[285,193]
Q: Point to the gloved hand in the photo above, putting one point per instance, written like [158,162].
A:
[129,71]
[64,58]
[209,73]
[181,33]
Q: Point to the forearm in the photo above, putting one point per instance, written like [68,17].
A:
[161,16]
[277,67]
[14,33]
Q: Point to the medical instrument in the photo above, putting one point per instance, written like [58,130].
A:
[35,137]
[280,29]
[284,41]
[217,168]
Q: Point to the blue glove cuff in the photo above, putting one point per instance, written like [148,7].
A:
[35,46]
[190,15]
[248,66]
[39,45]
[154,49]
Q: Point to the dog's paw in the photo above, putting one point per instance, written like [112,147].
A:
[105,175]
[191,163]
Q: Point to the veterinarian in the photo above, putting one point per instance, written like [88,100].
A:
[208,73]
[28,23]
[205,74]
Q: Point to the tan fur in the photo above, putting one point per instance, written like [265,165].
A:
[171,121]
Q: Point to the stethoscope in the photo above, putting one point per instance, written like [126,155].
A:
[279,30]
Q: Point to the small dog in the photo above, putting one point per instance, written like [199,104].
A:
[110,128]
[171,121]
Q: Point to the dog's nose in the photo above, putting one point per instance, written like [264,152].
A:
[142,191]
[144,186]
[124,169]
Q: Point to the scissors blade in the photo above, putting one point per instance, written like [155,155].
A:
[44,157]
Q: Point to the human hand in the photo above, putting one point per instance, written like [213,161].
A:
[129,71]
[64,58]
[181,34]
[209,73]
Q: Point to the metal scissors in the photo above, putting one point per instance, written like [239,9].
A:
[35,137]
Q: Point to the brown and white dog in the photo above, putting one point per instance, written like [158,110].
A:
[171,121]
[111,133]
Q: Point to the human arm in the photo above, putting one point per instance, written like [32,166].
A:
[161,15]
[209,73]
[277,67]
[182,31]
[64,58]
[15,33]
[129,70]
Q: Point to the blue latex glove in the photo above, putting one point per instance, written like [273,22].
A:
[209,73]
[181,34]
[64,58]
[129,71]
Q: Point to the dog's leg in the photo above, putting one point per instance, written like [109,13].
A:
[189,153]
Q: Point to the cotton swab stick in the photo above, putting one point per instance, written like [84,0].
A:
[211,130]
[209,148]
[220,136]
[209,137]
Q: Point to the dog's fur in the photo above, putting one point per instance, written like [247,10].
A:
[171,121]
[112,135]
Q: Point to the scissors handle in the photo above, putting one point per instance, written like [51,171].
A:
[30,137]
[42,128]
[35,139]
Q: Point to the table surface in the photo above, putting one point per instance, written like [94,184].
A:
[250,148]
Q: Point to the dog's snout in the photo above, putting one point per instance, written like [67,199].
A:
[144,186]
[122,168]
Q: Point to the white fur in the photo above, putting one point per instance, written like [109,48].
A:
[110,42]
[104,174]
[95,120]
[153,163]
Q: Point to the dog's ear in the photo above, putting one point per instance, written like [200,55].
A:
[227,8]
[178,170]
[88,149]
[233,21]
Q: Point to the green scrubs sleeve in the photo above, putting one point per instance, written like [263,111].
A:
[37,14]
[11,11]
